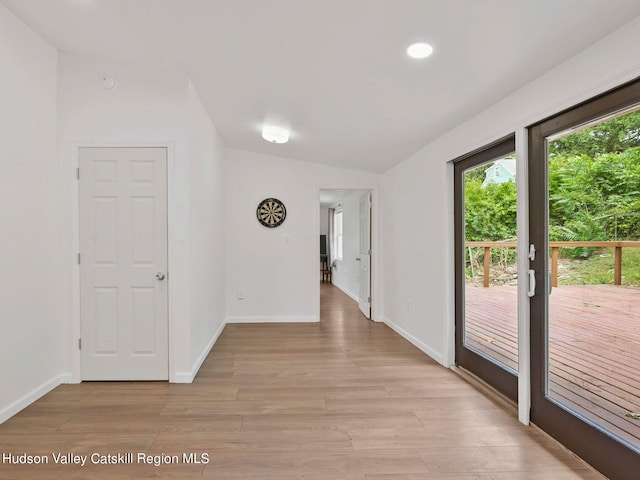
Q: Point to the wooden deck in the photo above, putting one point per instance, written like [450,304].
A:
[594,338]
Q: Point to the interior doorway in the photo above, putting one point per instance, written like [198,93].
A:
[346,243]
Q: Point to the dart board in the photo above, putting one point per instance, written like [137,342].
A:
[271,212]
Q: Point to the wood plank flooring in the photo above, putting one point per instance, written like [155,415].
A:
[594,347]
[343,399]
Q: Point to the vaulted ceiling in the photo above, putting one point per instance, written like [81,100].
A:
[335,71]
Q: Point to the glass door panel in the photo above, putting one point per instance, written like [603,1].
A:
[486,267]
[584,221]
[593,334]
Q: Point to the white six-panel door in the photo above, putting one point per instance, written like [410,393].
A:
[123,263]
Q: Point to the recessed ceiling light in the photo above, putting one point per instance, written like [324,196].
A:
[419,50]
[275,134]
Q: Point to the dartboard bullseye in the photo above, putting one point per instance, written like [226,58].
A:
[271,212]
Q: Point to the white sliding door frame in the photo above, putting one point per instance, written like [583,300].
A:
[522,229]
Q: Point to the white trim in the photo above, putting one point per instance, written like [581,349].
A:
[76,356]
[377,299]
[187,377]
[76,330]
[347,292]
[30,397]
[67,378]
[273,319]
[172,214]
[425,348]
[522,223]
[449,280]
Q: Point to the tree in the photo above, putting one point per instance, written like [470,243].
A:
[594,189]
[612,136]
[595,198]
[490,212]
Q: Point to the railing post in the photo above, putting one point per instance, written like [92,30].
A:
[487,265]
[554,266]
[617,277]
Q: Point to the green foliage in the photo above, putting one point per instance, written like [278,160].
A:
[594,190]
[599,269]
[613,136]
[490,212]
[594,198]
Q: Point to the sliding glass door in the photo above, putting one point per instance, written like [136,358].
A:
[486,273]
[584,214]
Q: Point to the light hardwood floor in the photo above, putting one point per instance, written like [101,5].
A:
[343,399]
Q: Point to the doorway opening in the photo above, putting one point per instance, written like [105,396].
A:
[346,243]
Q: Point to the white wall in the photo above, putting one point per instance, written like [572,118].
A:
[150,108]
[415,244]
[346,272]
[418,200]
[276,269]
[206,232]
[30,305]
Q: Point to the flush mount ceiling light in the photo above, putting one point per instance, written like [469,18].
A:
[419,50]
[275,134]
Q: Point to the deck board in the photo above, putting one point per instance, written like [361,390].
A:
[594,338]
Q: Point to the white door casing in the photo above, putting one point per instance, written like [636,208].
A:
[364,256]
[123,263]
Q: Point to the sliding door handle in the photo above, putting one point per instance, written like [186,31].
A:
[532,283]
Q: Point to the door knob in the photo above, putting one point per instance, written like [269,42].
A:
[159,276]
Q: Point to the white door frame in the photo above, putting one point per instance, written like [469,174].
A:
[376,247]
[365,258]
[75,245]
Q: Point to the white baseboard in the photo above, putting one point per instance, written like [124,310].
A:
[425,348]
[67,378]
[347,292]
[274,319]
[30,397]
[187,377]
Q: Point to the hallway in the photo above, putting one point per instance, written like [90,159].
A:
[343,399]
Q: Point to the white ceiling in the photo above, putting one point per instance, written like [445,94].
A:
[335,71]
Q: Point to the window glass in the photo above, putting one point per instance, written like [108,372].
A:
[338,234]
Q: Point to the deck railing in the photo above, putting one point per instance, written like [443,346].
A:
[555,248]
